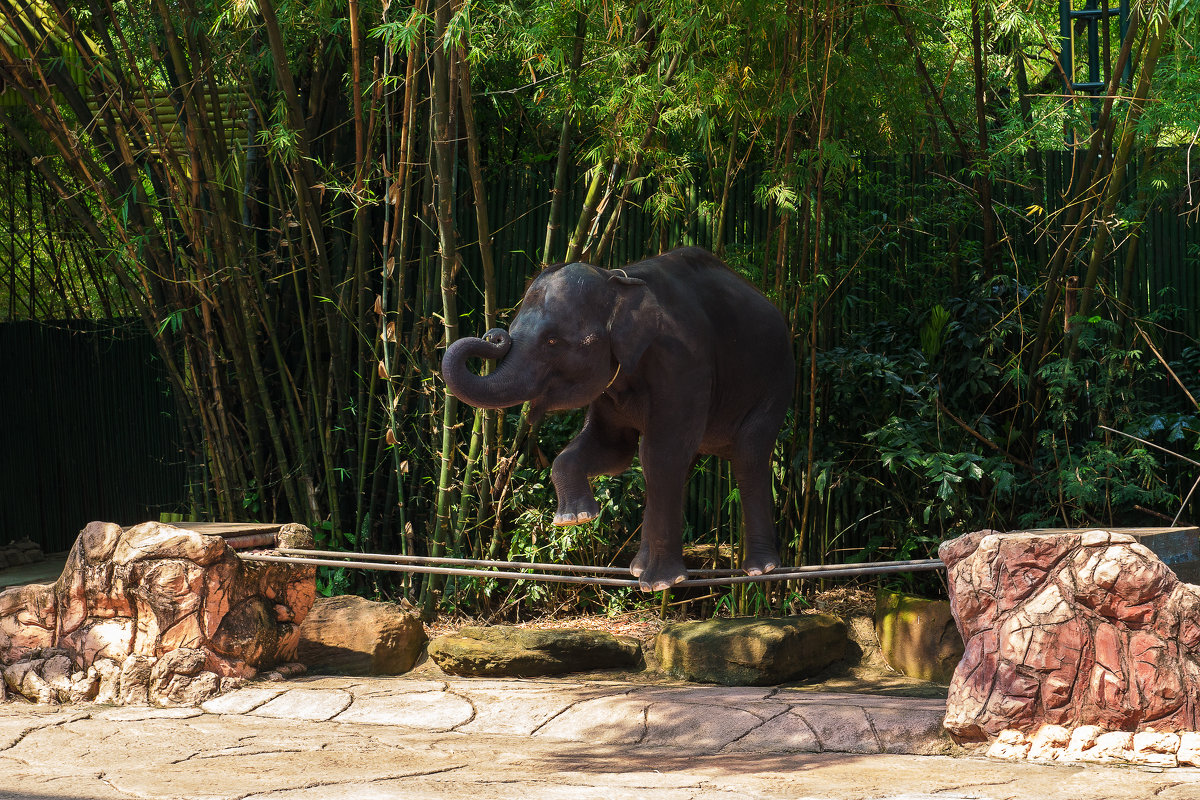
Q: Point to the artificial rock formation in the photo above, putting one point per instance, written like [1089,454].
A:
[1093,744]
[350,635]
[1071,630]
[917,637]
[155,614]
[23,551]
[502,650]
[751,651]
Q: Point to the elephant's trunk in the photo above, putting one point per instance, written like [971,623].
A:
[505,387]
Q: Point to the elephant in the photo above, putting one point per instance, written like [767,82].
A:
[674,356]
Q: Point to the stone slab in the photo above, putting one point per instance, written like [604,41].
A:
[917,636]
[788,732]
[306,704]
[427,711]
[691,727]
[350,635]
[843,729]
[909,730]
[242,701]
[521,652]
[140,713]
[750,651]
[709,695]
[603,720]
[518,712]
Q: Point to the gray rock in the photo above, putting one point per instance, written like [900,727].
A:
[108,675]
[56,671]
[135,681]
[179,679]
[186,690]
[84,686]
[749,651]
[295,536]
[351,635]
[31,550]
[520,652]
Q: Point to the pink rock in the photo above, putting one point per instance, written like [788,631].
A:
[1188,754]
[301,593]
[219,581]
[100,639]
[227,668]
[1070,629]
[1083,739]
[184,633]
[173,589]
[1010,745]
[1114,745]
[1151,741]
[28,619]
[97,541]
[153,613]
[152,540]
[146,630]
[1049,742]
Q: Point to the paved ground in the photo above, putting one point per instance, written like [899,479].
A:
[394,738]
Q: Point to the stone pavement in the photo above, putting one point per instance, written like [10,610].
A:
[394,738]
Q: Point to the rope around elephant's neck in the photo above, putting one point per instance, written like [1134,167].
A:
[624,275]
[614,377]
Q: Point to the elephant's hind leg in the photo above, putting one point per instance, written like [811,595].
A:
[752,469]
[599,449]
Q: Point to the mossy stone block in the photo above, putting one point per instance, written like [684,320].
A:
[918,637]
[749,651]
[507,651]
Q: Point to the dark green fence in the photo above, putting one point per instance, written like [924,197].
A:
[87,430]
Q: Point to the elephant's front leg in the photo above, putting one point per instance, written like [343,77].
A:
[666,461]
[600,449]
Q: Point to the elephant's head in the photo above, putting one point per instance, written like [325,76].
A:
[577,326]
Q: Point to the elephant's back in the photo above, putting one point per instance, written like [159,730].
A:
[691,281]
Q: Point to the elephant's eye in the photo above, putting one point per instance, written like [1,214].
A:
[552,341]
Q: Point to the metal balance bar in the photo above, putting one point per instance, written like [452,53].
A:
[595,576]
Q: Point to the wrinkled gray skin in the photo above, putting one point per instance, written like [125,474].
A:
[673,356]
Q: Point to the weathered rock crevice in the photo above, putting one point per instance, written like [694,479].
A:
[1071,630]
[152,614]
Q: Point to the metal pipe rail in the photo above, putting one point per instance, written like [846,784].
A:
[594,576]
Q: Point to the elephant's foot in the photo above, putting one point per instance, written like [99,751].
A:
[563,520]
[657,574]
[760,562]
[589,512]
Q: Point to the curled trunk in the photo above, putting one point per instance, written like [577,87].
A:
[507,386]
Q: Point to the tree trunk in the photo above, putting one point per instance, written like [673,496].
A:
[559,193]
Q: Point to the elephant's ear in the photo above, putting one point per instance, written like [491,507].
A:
[635,322]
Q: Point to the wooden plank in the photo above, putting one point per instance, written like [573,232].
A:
[229,529]
[1139,532]
[1178,548]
